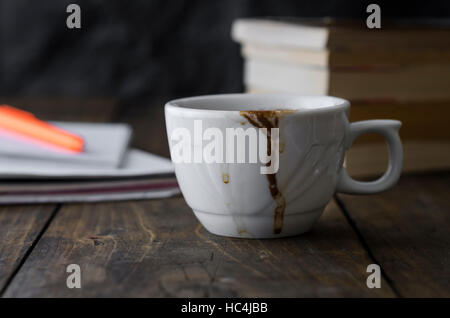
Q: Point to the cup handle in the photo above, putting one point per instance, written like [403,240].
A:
[389,130]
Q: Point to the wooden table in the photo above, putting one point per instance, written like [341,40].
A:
[156,248]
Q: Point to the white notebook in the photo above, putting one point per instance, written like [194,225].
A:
[141,176]
[105,146]
[135,163]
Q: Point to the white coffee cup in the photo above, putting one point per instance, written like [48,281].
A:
[237,199]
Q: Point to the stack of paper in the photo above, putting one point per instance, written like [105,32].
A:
[106,170]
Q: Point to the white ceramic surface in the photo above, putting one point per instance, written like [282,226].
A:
[315,136]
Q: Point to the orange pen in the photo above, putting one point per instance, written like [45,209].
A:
[25,123]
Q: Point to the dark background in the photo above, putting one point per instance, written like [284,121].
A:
[141,49]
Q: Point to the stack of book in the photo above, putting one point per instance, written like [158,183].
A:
[35,170]
[397,72]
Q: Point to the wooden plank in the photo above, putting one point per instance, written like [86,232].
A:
[157,248]
[20,226]
[407,231]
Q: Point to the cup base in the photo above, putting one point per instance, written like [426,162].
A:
[256,226]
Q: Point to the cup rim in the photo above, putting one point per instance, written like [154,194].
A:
[177,104]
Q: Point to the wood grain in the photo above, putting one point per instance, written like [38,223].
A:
[20,225]
[157,248]
[407,230]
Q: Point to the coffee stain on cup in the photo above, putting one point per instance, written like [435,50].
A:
[225,178]
[270,119]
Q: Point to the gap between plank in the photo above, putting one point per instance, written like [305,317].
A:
[30,249]
[364,244]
